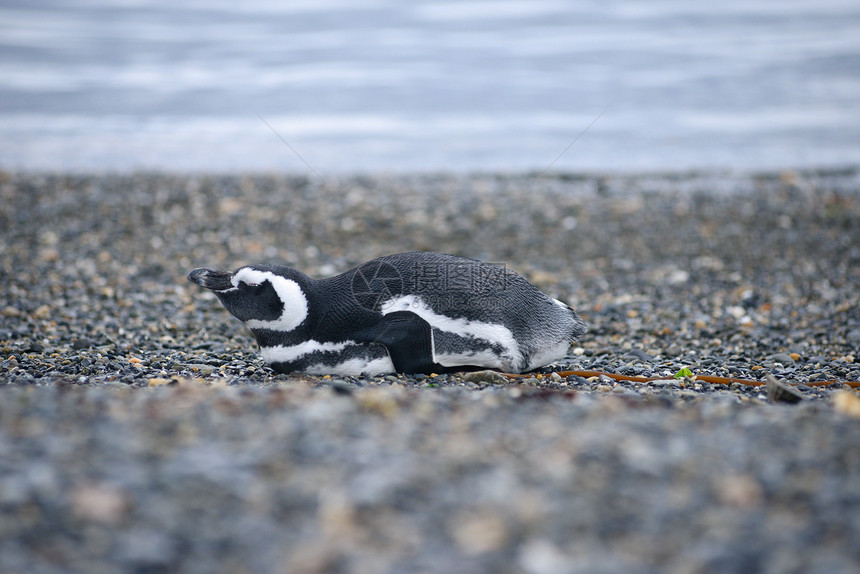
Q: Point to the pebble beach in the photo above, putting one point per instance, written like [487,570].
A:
[141,432]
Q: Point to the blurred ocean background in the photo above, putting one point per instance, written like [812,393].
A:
[428,85]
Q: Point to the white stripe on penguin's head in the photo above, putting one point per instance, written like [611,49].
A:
[292,297]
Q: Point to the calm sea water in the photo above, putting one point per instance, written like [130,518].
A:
[429,85]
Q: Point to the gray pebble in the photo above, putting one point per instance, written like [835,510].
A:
[146,547]
[664,383]
[640,354]
[783,358]
[673,351]
[79,344]
[489,377]
[200,368]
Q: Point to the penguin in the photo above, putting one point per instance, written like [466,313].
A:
[417,312]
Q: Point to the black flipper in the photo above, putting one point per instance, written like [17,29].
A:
[409,340]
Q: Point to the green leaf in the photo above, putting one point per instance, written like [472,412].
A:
[684,372]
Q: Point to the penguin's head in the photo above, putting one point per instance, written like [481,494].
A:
[268,297]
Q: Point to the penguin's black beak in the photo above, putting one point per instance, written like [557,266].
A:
[212,280]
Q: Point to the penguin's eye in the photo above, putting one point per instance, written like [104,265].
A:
[244,286]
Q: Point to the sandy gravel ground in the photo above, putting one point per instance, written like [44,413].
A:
[140,432]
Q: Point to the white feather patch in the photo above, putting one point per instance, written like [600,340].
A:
[548,355]
[483,358]
[348,367]
[511,358]
[282,354]
[289,292]
[354,367]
